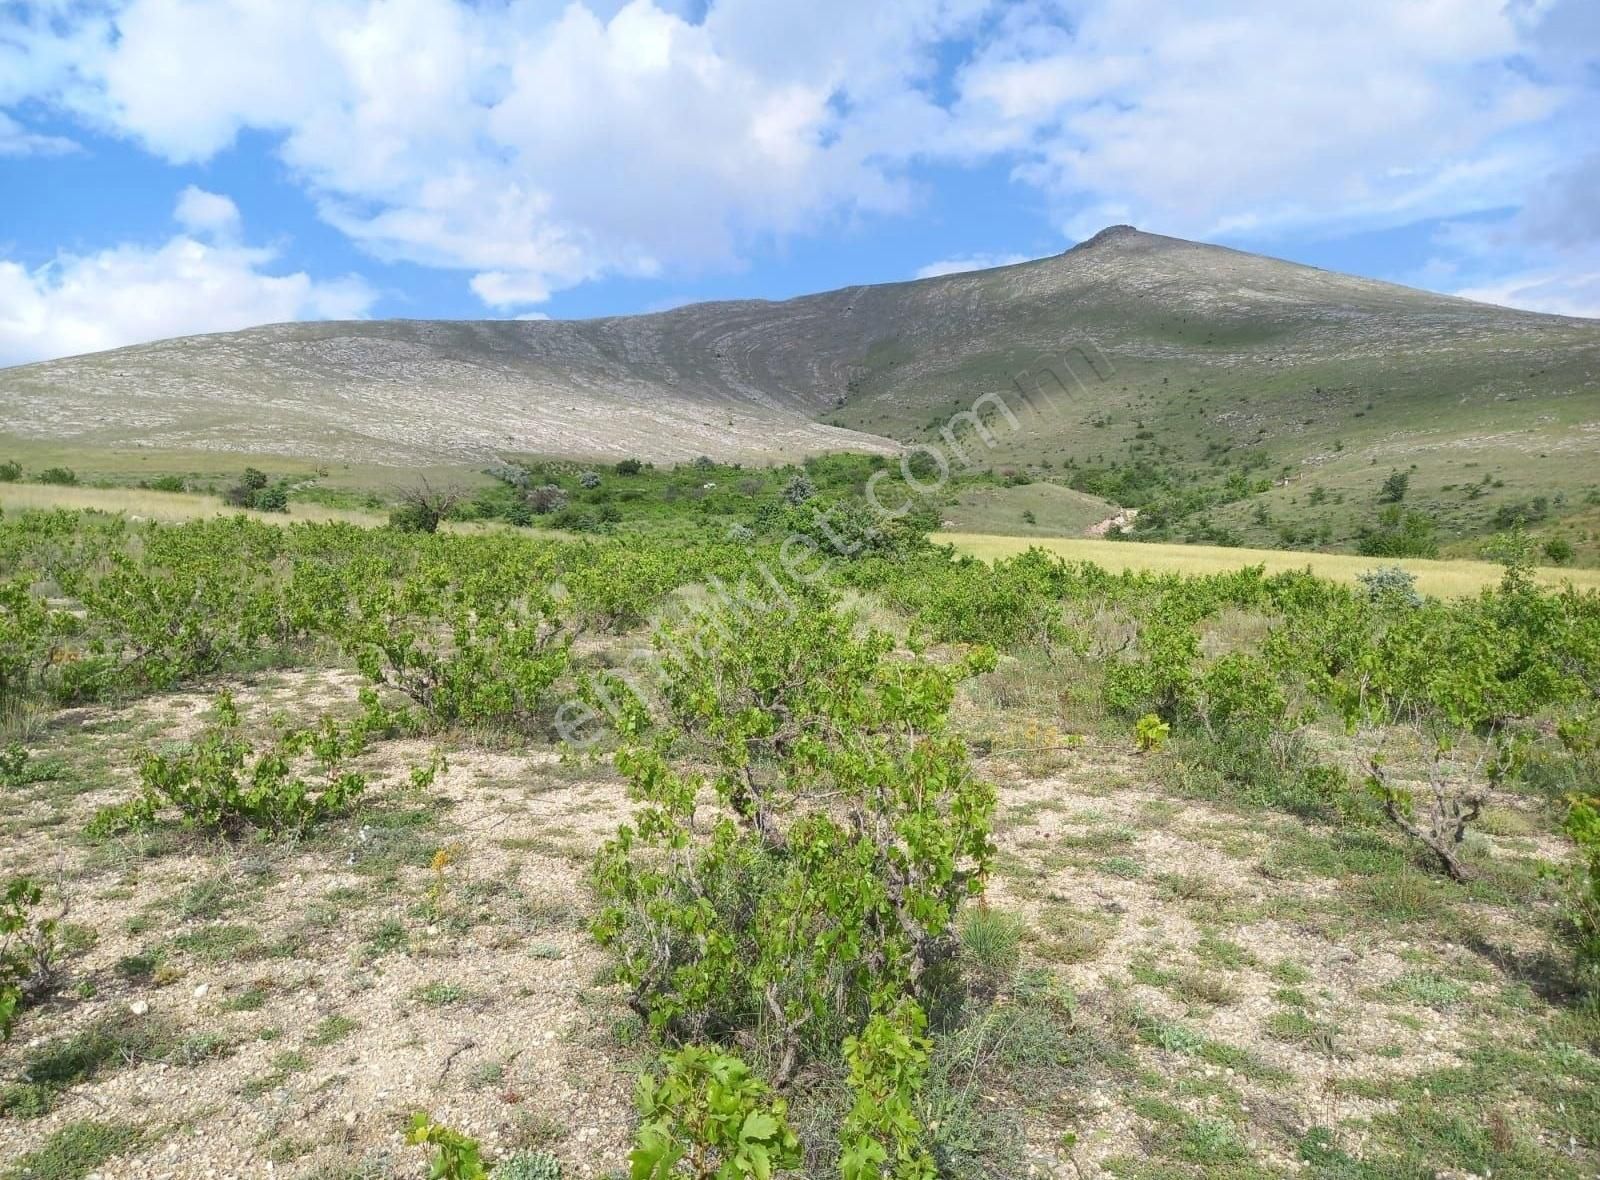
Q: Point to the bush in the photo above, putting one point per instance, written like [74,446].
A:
[708,1117]
[27,950]
[849,831]
[888,1066]
[456,1156]
[1583,825]
[63,476]
[10,472]
[223,785]
[1394,488]
[165,483]
[253,480]
[629,467]
[1151,733]
[272,499]
[469,642]
[1558,550]
[589,479]
[547,498]
[1390,585]
[1398,534]
[799,489]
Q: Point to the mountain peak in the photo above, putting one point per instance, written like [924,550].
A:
[1112,234]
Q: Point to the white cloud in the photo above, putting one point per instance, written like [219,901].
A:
[955,266]
[533,144]
[1557,291]
[539,144]
[1257,116]
[132,293]
[17,140]
[202,212]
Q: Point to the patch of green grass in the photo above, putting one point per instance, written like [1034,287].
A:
[440,995]
[1287,971]
[25,1100]
[74,1151]
[385,938]
[1428,990]
[331,1030]
[252,999]
[140,967]
[1219,952]
[219,943]
[991,942]
[110,1044]
[1293,1027]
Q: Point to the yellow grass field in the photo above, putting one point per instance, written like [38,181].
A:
[1444,579]
[148,505]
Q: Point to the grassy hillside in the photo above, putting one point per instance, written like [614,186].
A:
[1233,398]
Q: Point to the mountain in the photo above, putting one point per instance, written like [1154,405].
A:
[1166,355]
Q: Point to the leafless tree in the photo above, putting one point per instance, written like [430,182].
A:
[423,505]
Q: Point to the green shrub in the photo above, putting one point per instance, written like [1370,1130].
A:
[165,483]
[1583,825]
[1151,733]
[799,489]
[1558,550]
[849,831]
[10,472]
[629,467]
[61,476]
[1394,487]
[274,498]
[707,1117]
[455,1156]
[28,950]
[1390,585]
[471,642]
[882,1134]
[1398,534]
[223,785]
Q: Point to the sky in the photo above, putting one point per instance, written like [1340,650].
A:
[178,166]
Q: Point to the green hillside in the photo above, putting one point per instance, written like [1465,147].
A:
[1231,398]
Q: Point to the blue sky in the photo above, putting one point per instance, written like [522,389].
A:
[174,166]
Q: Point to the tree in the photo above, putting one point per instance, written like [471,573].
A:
[1395,487]
[1558,550]
[423,507]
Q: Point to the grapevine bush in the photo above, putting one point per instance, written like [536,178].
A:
[848,829]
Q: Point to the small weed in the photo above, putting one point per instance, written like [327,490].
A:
[440,995]
[331,1031]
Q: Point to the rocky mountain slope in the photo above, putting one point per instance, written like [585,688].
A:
[1141,339]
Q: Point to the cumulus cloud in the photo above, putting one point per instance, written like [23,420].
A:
[132,293]
[1255,116]
[535,144]
[202,212]
[955,266]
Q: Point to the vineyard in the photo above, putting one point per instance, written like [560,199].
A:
[364,852]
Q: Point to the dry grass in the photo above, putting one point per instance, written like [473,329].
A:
[159,505]
[1446,579]
[177,506]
